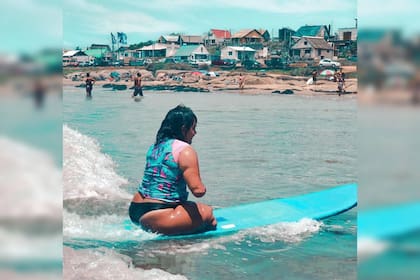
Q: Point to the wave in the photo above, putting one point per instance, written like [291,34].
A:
[30,185]
[87,172]
[107,264]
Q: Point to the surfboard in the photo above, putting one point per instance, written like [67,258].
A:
[388,222]
[316,205]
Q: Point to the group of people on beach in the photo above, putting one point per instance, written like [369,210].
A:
[89,82]
[339,78]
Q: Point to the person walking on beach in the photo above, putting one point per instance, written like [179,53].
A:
[161,202]
[89,85]
[340,83]
[241,81]
[137,86]
[314,76]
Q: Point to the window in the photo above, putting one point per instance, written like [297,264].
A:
[305,43]
[230,53]
[319,52]
[347,35]
[307,51]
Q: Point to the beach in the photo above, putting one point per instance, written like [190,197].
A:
[258,81]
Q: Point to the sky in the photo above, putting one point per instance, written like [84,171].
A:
[88,21]
[34,24]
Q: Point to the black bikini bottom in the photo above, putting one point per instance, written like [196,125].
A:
[137,210]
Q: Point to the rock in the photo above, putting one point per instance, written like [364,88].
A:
[287,91]
[119,87]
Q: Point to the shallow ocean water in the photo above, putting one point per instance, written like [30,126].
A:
[250,147]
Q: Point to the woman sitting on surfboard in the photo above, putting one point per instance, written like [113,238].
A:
[160,204]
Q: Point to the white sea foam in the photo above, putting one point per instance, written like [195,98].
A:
[30,183]
[102,228]
[107,264]
[17,246]
[368,247]
[87,172]
[30,205]
[290,232]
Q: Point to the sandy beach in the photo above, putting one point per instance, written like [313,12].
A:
[226,81]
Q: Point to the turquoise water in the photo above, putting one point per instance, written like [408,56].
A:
[250,147]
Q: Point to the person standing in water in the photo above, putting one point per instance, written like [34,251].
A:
[137,86]
[161,203]
[89,85]
[241,81]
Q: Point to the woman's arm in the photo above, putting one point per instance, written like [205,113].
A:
[188,162]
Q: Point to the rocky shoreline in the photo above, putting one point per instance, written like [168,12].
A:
[195,81]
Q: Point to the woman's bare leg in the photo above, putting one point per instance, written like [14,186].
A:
[190,217]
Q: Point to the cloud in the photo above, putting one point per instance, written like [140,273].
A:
[102,19]
[268,6]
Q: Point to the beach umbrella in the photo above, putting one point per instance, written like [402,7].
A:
[327,72]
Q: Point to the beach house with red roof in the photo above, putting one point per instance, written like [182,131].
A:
[217,37]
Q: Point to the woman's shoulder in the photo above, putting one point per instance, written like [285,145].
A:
[178,144]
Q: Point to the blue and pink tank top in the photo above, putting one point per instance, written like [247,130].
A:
[163,179]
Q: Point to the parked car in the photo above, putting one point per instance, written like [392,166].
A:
[251,64]
[138,62]
[171,60]
[329,63]
[85,63]
[201,62]
[224,62]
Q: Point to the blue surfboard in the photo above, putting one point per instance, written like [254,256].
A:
[388,222]
[316,205]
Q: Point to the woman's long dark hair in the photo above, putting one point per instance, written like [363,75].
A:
[177,118]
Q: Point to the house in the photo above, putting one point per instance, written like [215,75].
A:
[312,48]
[346,42]
[190,40]
[74,58]
[238,53]
[311,31]
[169,39]
[103,47]
[247,37]
[216,37]
[100,52]
[127,55]
[154,50]
[285,35]
[347,34]
[264,33]
[192,53]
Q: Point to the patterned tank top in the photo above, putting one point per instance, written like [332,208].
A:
[163,179]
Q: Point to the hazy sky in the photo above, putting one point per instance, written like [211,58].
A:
[90,21]
[29,25]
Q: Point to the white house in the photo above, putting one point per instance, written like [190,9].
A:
[238,53]
[192,53]
[75,57]
[154,50]
[312,47]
